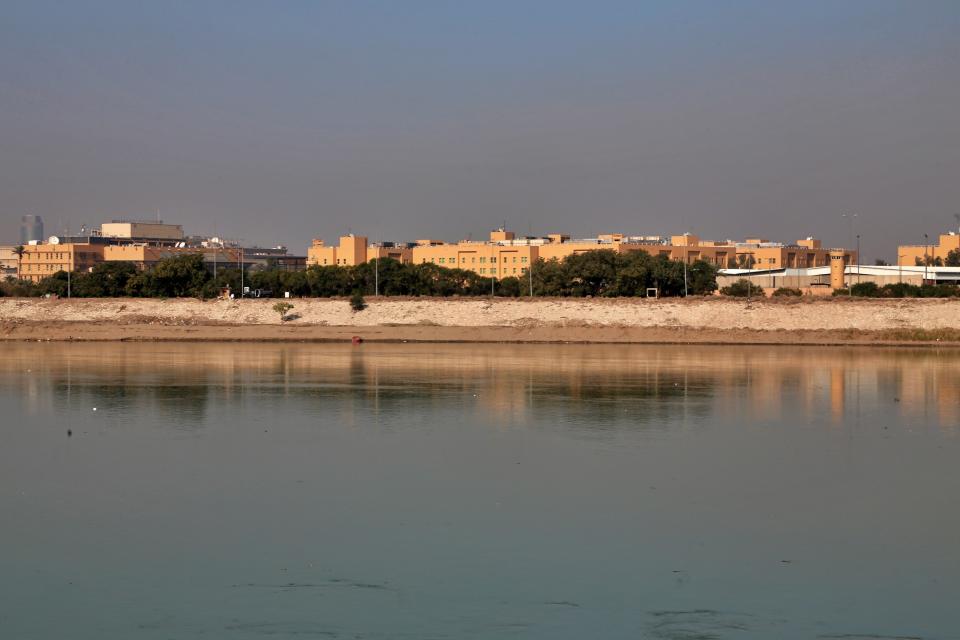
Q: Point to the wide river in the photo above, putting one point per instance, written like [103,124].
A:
[168,491]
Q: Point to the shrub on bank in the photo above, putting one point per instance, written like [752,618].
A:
[742,288]
[787,292]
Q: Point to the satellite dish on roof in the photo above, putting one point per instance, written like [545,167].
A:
[54,240]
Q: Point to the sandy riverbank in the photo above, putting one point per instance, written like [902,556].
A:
[710,320]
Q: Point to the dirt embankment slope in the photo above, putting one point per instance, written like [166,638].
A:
[539,320]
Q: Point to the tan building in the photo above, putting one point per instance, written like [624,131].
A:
[504,256]
[41,261]
[757,253]
[144,256]
[132,229]
[8,260]
[353,250]
[912,254]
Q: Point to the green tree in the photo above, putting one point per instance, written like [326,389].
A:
[357,303]
[865,290]
[282,308]
[19,251]
[701,278]
[742,288]
[787,292]
[953,259]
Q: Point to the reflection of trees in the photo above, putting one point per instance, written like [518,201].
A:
[589,385]
[176,404]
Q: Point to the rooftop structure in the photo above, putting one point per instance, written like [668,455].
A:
[134,229]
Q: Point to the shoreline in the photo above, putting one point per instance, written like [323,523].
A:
[703,321]
[47,331]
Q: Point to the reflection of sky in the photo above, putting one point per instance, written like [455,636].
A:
[592,387]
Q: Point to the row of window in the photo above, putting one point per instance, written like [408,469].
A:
[474,260]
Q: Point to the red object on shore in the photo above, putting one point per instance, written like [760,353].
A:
[356,340]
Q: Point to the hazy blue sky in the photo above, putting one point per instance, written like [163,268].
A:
[278,121]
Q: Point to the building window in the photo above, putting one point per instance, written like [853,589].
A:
[483,269]
[483,260]
[494,259]
[523,259]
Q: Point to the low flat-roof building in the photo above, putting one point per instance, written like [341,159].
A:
[136,230]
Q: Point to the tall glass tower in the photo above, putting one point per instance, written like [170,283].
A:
[31,228]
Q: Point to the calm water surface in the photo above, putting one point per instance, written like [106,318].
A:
[411,491]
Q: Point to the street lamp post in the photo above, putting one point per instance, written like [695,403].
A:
[926,258]
[376,273]
[900,258]
[858,258]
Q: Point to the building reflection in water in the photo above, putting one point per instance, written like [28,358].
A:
[596,386]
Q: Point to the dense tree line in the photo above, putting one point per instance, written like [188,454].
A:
[902,290]
[595,273]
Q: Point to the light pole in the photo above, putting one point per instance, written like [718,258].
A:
[858,258]
[685,257]
[900,258]
[530,276]
[926,259]
[376,273]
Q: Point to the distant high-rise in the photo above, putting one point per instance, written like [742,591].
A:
[31,229]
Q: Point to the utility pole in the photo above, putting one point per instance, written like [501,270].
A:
[530,276]
[926,259]
[685,257]
[376,273]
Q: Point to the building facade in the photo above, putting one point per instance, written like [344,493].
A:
[352,250]
[41,261]
[913,254]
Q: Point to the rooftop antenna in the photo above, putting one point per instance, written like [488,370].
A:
[957,216]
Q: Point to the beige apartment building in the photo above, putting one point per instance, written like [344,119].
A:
[352,250]
[503,256]
[41,261]
[911,254]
